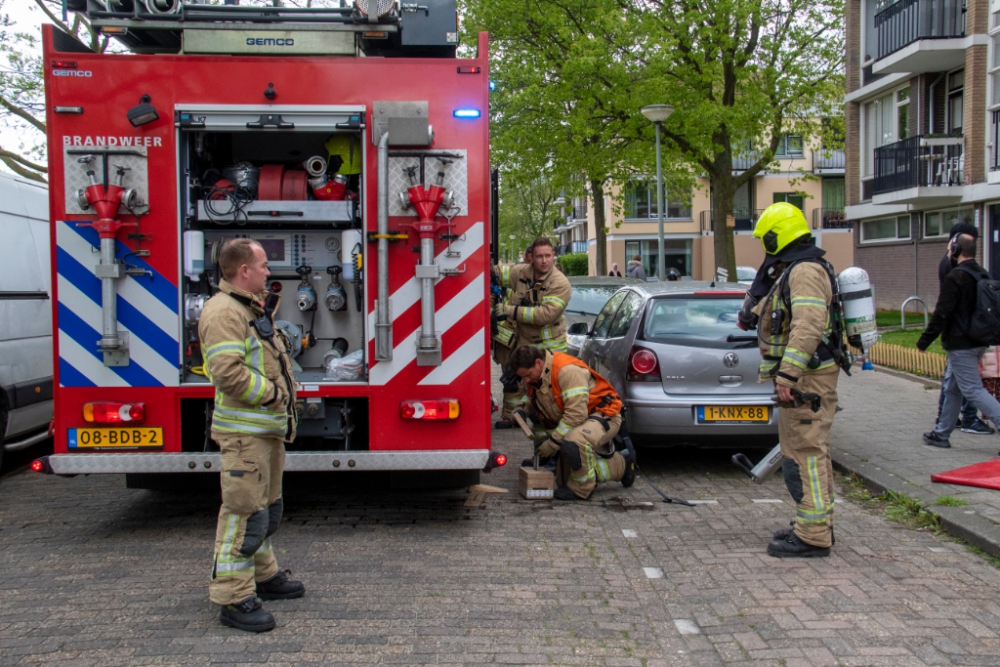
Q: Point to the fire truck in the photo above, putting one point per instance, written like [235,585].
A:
[352,143]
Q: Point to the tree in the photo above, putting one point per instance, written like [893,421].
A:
[22,97]
[740,73]
[528,209]
[565,101]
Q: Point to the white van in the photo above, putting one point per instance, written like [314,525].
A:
[25,314]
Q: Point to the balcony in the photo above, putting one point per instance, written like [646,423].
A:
[828,162]
[745,219]
[925,170]
[830,218]
[920,36]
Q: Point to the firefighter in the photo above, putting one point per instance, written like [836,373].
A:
[537,296]
[790,304]
[578,415]
[248,363]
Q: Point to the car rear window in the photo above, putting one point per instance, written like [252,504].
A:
[697,321]
[589,299]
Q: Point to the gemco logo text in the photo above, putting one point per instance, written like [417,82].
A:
[72,72]
[270,41]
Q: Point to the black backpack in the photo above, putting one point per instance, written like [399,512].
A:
[984,325]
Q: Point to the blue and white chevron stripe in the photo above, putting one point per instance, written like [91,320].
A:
[148,308]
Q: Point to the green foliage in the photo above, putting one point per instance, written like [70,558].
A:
[908,338]
[950,501]
[575,264]
[890,318]
[527,211]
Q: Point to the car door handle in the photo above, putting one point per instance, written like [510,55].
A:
[729,379]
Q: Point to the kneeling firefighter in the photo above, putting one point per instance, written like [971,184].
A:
[247,361]
[795,306]
[579,414]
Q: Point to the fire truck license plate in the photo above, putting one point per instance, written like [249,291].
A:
[733,413]
[115,438]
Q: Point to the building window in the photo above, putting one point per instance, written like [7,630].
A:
[956,101]
[791,146]
[880,119]
[792,198]
[676,252]
[640,201]
[939,223]
[886,229]
[902,113]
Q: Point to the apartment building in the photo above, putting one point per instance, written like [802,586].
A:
[922,115]
[687,218]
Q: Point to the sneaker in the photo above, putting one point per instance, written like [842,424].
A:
[564,493]
[280,587]
[785,532]
[934,440]
[248,615]
[628,479]
[793,547]
[502,424]
[978,427]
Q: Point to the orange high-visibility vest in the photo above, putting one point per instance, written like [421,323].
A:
[602,398]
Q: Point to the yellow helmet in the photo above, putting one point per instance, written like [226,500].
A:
[779,225]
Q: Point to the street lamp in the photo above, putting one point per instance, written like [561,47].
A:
[657,113]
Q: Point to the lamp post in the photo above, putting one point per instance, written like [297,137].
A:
[657,113]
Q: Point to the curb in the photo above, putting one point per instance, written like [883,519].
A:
[972,528]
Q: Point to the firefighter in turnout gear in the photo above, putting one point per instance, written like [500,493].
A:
[577,415]
[538,293]
[791,303]
[247,361]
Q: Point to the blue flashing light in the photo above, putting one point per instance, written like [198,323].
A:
[493,85]
[466,113]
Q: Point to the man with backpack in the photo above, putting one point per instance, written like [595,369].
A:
[959,322]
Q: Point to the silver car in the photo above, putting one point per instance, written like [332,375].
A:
[686,372]
[590,293]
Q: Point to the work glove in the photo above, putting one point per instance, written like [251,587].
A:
[509,379]
[548,447]
[746,319]
[503,311]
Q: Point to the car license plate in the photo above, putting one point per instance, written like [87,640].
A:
[116,438]
[733,413]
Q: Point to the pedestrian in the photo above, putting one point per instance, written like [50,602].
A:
[634,268]
[539,293]
[578,415]
[989,370]
[789,304]
[969,420]
[952,315]
[614,270]
[249,365]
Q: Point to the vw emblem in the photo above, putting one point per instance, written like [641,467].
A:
[731,360]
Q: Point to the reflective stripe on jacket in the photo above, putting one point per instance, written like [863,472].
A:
[570,392]
[254,385]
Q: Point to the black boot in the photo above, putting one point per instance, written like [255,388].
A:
[564,493]
[543,462]
[785,532]
[280,587]
[793,547]
[248,615]
[628,479]
[502,424]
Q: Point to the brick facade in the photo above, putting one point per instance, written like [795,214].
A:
[974,104]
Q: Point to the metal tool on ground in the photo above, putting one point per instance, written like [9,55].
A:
[770,463]
[627,442]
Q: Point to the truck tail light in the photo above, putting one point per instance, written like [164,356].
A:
[442,408]
[643,366]
[113,413]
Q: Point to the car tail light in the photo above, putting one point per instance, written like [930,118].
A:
[113,413]
[443,408]
[643,366]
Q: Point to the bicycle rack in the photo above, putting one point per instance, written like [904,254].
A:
[902,312]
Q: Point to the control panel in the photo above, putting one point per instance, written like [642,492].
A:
[288,250]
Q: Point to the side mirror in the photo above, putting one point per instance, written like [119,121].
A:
[579,329]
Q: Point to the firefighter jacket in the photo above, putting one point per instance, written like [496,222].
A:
[794,328]
[505,331]
[252,375]
[537,306]
[568,393]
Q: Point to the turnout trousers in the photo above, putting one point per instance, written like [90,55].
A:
[806,463]
[511,399]
[579,466]
[251,513]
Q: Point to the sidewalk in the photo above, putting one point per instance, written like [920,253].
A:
[877,436]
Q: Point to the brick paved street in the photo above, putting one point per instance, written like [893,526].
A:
[94,574]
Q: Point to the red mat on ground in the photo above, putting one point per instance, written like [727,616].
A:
[985,475]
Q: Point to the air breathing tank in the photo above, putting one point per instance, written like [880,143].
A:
[859,309]
[305,295]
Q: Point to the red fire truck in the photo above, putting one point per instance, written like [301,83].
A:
[352,143]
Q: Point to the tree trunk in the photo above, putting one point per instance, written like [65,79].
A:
[601,260]
[723,192]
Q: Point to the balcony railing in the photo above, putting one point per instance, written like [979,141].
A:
[921,161]
[995,136]
[824,159]
[830,218]
[579,246]
[745,219]
[903,22]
